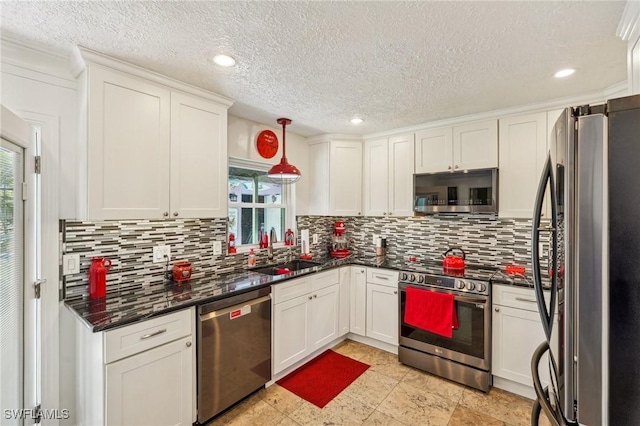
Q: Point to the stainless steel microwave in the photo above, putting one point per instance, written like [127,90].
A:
[472,191]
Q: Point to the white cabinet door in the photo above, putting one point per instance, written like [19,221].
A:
[345,177]
[434,150]
[523,149]
[345,290]
[324,317]
[198,158]
[475,145]
[401,166]
[358,301]
[376,177]
[129,147]
[152,388]
[382,313]
[319,178]
[291,332]
[516,335]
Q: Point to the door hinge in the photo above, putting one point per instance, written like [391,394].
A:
[37,286]
[38,412]
[38,164]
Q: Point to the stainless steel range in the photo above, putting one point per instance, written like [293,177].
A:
[466,356]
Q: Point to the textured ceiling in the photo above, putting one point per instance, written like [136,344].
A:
[395,64]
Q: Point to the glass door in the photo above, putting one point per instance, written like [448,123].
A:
[12,283]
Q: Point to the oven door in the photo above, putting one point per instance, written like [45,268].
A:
[470,343]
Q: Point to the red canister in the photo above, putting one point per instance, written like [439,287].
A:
[98,277]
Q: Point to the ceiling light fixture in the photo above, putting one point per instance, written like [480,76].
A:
[224,60]
[283,172]
[564,73]
[356,120]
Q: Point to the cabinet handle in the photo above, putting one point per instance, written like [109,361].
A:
[456,166]
[395,292]
[522,299]
[541,214]
[382,277]
[146,336]
[384,214]
[389,213]
[188,344]
[165,214]
[315,296]
[358,213]
[310,297]
[449,168]
[497,309]
[175,213]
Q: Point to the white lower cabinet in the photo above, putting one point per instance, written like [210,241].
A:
[152,388]
[140,374]
[307,322]
[516,333]
[358,301]
[382,313]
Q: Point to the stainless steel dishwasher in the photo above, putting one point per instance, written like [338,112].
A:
[234,350]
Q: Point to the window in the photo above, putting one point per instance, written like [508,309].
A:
[256,205]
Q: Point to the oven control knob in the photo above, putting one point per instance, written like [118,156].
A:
[460,284]
[413,277]
[404,276]
[470,285]
[420,278]
[481,287]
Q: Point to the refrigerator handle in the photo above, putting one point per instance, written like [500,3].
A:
[545,315]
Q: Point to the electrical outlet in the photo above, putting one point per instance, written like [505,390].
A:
[159,253]
[217,248]
[70,264]
[375,239]
[315,238]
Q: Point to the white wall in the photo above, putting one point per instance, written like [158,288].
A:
[39,88]
[242,135]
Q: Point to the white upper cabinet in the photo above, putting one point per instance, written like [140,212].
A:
[465,147]
[434,150]
[198,157]
[523,149]
[475,145]
[388,176]
[335,171]
[155,147]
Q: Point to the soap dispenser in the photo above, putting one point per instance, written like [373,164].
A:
[252,259]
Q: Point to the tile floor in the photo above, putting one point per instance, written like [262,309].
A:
[388,393]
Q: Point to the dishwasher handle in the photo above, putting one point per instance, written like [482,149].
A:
[225,311]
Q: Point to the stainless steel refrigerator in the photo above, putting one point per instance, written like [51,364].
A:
[592,181]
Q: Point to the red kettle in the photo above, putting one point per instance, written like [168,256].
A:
[98,277]
[451,261]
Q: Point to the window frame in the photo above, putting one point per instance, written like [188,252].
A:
[287,202]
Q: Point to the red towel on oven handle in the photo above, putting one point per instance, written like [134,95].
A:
[431,311]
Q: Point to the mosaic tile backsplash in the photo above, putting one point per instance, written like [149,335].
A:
[486,239]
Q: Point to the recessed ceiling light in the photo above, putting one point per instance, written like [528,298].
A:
[356,120]
[564,73]
[224,60]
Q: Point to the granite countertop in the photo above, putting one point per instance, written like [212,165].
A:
[136,304]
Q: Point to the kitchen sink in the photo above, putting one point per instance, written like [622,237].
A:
[296,265]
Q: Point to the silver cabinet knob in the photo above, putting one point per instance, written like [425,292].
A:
[449,168]
[456,166]
[175,213]
[310,297]
[384,214]
[395,292]
[188,344]
[497,309]
[358,213]
[165,214]
[315,296]
[389,213]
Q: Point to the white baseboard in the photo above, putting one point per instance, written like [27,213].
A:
[514,387]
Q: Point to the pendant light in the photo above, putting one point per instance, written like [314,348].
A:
[283,172]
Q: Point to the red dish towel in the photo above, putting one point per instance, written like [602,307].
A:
[431,311]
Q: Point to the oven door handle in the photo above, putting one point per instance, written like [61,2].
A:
[467,300]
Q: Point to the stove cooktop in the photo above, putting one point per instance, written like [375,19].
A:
[472,279]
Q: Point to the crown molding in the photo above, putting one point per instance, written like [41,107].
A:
[81,57]
[334,136]
[36,62]
[629,26]
[587,98]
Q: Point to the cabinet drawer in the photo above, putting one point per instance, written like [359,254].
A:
[382,276]
[516,297]
[324,279]
[136,338]
[290,290]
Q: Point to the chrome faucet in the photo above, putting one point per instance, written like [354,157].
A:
[272,239]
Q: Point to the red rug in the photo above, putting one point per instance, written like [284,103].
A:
[323,378]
